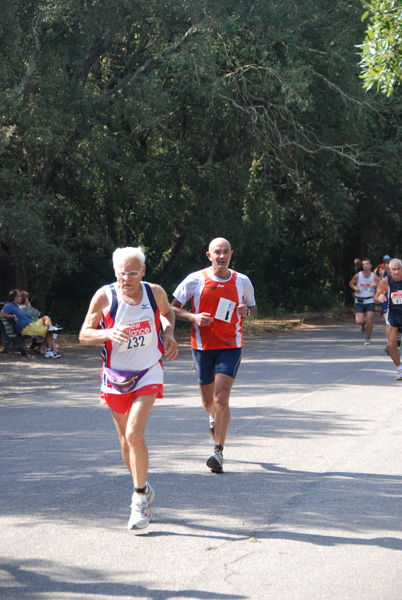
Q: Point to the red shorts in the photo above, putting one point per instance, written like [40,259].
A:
[121,403]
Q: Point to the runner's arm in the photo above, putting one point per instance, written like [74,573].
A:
[243,309]
[90,333]
[202,319]
[167,317]
[382,291]
[353,281]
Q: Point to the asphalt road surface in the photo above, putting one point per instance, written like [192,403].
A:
[309,506]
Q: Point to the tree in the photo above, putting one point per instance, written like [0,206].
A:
[167,123]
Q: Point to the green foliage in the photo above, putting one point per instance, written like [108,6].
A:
[167,123]
[381,51]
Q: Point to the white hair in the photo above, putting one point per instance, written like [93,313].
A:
[395,261]
[121,254]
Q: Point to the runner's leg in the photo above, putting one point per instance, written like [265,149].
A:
[392,334]
[121,425]
[359,316]
[369,323]
[131,430]
[135,436]
[215,399]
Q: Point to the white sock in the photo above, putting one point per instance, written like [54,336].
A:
[138,498]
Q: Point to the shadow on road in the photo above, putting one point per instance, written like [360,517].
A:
[68,467]
[29,583]
[60,459]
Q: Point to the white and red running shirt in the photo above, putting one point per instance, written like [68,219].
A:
[366,289]
[220,298]
[144,348]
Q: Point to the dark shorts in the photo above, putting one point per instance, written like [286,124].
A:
[395,320]
[209,362]
[384,307]
[363,308]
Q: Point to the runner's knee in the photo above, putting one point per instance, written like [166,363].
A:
[134,437]
[221,399]
[124,444]
[207,404]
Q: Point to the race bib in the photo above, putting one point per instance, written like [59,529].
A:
[396,297]
[140,336]
[225,310]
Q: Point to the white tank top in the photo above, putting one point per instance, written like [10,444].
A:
[144,347]
[366,289]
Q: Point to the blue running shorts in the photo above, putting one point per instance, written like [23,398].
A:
[363,308]
[394,321]
[209,362]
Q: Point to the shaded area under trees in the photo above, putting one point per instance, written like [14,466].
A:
[167,123]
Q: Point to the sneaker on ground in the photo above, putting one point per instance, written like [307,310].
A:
[50,353]
[55,353]
[215,462]
[398,376]
[211,427]
[140,513]
[367,342]
[55,328]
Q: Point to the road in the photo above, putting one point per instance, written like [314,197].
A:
[309,506]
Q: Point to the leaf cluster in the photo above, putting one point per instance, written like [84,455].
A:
[381,51]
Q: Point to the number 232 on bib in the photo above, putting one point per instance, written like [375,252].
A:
[140,336]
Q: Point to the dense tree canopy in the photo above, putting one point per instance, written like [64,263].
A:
[168,122]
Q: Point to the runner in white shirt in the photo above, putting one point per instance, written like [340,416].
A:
[126,317]
[364,284]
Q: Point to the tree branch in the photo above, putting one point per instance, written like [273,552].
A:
[157,58]
[95,53]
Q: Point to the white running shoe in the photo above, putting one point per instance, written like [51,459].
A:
[140,513]
[150,493]
[367,342]
[398,375]
[215,462]
[140,510]
[50,353]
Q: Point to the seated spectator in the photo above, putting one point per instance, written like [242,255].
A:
[34,314]
[25,326]
[26,307]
